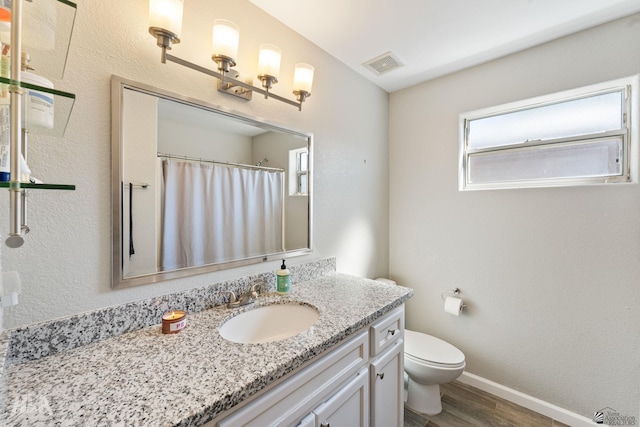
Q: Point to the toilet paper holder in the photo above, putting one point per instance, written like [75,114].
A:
[451,293]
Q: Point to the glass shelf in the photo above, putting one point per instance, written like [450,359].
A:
[62,106]
[5,184]
[46,33]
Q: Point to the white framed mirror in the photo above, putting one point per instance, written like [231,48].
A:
[198,188]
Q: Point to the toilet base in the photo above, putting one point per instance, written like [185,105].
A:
[424,398]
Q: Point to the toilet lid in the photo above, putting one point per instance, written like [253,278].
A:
[431,349]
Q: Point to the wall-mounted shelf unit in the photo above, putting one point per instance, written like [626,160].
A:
[40,36]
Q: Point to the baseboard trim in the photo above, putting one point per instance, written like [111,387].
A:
[526,401]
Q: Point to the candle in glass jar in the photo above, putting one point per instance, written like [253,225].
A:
[174,321]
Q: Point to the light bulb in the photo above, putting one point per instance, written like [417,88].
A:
[226,36]
[166,15]
[269,61]
[303,78]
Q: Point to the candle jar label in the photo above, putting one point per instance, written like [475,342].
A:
[177,326]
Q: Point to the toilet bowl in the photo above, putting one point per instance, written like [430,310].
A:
[429,362]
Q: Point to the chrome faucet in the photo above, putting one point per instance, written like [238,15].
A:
[246,298]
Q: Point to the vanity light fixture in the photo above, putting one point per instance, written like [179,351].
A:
[165,24]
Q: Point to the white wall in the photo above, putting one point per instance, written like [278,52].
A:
[550,275]
[65,263]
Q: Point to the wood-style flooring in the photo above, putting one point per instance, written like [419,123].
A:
[463,405]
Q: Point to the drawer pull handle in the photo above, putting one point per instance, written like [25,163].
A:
[381,376]
[325,425]
[392,331]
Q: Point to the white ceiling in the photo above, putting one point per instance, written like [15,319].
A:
[436,37]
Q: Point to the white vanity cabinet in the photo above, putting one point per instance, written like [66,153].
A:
[387,370]
[357,384]
[291,401]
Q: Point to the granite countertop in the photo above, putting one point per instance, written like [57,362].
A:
[145,378]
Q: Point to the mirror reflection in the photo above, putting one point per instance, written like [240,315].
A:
[198,188]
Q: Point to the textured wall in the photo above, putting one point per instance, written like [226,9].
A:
[550,275]
[65,263]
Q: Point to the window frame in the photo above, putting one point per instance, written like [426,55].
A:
[629,135]
[296,171]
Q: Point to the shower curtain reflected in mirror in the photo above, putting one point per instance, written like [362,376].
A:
[214,213]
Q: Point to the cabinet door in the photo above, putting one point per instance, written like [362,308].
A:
[387,386]
[349,407]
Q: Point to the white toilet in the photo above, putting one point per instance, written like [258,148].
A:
[429,362]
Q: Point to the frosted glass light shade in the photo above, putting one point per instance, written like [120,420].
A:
[226,36]
[269,60]
[303,77]
[166,14]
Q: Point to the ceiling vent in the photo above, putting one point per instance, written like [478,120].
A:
[383,64]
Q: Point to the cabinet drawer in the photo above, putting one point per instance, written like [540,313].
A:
[387,331]
[288,402]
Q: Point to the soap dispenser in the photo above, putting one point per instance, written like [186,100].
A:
[284,280]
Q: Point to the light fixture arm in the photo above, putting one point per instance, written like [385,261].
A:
[164,39]
[301,95]
[267,83]
[230,80]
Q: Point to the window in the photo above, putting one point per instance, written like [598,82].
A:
[299,176]
[578,137]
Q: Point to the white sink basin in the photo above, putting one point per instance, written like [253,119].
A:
[269,323]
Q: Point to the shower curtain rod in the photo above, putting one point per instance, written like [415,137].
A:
[198,159]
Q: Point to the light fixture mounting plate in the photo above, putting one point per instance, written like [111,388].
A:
[235,90]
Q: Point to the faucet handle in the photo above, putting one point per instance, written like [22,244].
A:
[233,302]
[257,289]
[232,297]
